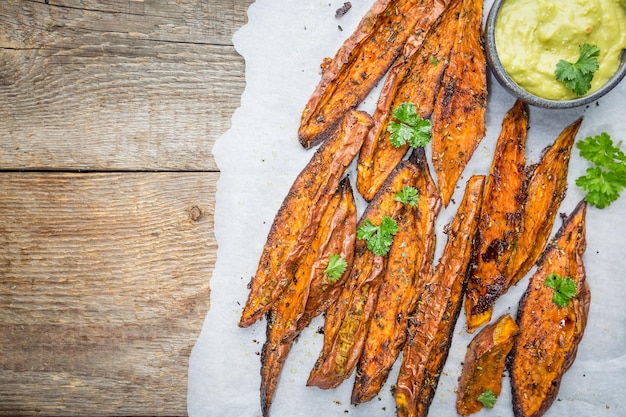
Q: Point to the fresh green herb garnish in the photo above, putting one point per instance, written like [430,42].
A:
[336,267]
[408,195]
[577,76]
[607,178]
[487,399]
[564,289]
[378,238]
[409,127]
[433,60]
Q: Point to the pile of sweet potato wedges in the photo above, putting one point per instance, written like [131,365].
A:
[403,300]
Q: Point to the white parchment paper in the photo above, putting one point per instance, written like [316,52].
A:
[259,158]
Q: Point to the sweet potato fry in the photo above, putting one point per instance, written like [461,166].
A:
[324,291]
[363,60]
[334,235]
[499,220]
[416,81]
[430,328]
[459,112]
[484,363]
[546,191]
[549,335]
[409,261]
[348,318]
[298,218]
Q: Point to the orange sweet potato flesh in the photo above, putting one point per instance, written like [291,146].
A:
[347,320]
[500,219]
[431,325]
[362,61]
[546,191]
[285,320]
[459,112]
[409,262]
[549,335]
[416,81]
[297,220]
[484,364]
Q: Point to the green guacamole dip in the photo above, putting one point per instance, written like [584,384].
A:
[533,35]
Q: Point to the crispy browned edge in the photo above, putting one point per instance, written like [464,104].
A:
[296,222]
[362,61]
[500,219]
[484,363]
[572,231]
[425,356]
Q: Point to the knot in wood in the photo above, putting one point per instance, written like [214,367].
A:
[195,213]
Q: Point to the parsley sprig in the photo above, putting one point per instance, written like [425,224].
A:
[408,127]
[336,267]
[487,399]
[378,238]
[577,76]
[564,288]
[408,195]
[607,177]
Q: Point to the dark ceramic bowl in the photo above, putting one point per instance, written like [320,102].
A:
[511,86]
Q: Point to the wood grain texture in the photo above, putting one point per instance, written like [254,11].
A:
[104,288]
[119,85]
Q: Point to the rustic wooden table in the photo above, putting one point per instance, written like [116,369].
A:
[108,113]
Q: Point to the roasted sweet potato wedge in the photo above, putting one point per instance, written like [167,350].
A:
[363,60]
[459,112]
[334,235]
[347,320]
[546,191]
[416,81]
[323,290]
[484,364]
[409,263]
[500,219]
[549,334]
[298,218]
[431,325]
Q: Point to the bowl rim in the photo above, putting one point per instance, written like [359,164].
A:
[496,67]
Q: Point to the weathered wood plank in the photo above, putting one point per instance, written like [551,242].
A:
[123,85]
[104,285]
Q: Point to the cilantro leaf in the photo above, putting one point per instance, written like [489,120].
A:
[487,399]
[564,288]
[408,195]
[408,127]
[607,178]
[336,267]
[378,238]
[577,76]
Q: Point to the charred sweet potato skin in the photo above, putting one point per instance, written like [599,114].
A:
[545,192]
[284,320]
[409,263]
[415,80]
[484,363]
[549,335]
[297,219]
[362,61]
[459,112]
[500,220]
[347,319]
[431,326]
